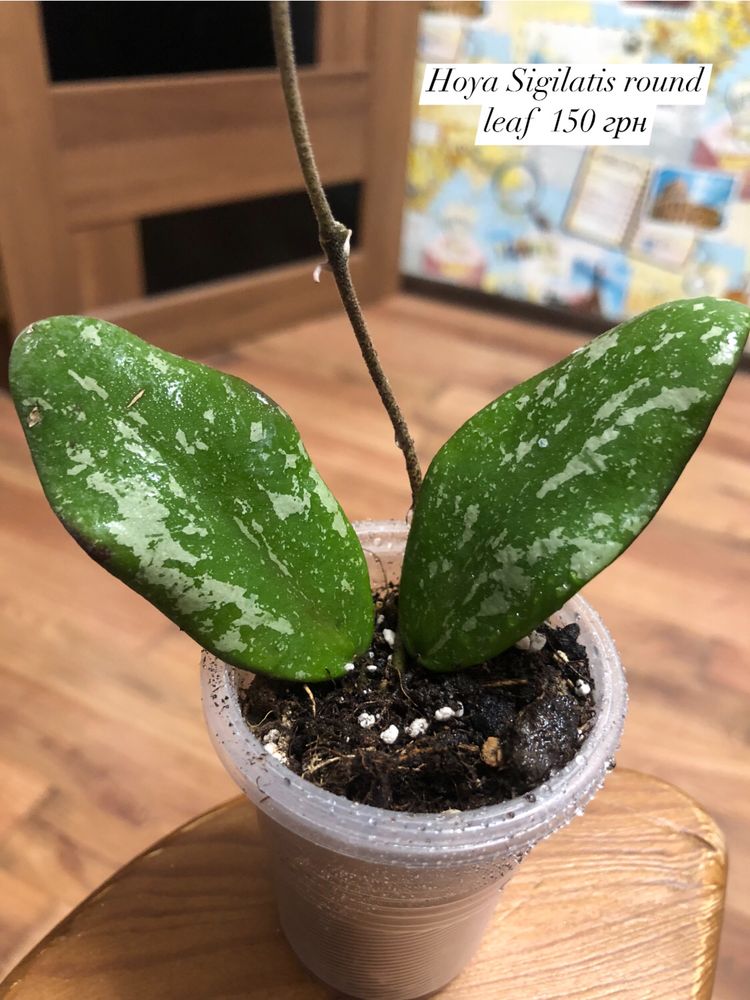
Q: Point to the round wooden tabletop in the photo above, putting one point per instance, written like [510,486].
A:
[624,902]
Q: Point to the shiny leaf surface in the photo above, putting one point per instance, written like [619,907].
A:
[543,488]
[193,488]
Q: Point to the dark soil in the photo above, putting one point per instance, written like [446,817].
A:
[513,721]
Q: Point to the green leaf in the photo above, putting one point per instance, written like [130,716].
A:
[194,489]
[543,488]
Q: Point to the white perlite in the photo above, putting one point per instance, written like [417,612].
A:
[348,667]
[366,720]
[444,713]
[271,745]
[532,642]
[417,727]
[389,735]
[537,641]
[390,636]
[275,751]
[371,668]
[582,687]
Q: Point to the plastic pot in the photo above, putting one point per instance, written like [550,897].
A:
[385,905]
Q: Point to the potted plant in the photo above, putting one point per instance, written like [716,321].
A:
[404,755]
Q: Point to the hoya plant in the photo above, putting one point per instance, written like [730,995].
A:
[195,489]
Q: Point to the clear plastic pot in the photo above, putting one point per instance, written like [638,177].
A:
[386,905]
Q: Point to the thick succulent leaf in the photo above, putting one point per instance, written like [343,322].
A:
[193,488]
[543,488]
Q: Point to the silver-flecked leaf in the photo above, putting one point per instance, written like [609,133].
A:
[543,488]
[195,489]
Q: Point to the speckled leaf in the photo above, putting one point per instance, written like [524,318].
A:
[193,488]
[543,488]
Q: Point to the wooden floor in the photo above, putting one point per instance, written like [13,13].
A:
[102,748]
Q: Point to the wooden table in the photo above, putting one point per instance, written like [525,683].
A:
[625,902]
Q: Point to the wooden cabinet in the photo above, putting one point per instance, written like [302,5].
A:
[83,162]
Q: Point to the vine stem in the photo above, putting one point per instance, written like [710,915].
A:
[334,237]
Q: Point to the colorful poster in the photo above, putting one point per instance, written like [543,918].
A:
[604,231]
[607,195]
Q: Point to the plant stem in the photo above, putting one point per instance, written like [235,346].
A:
[334,237]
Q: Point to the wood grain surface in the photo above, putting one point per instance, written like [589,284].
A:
[102,747]
[110,264]
[38,263]
[341,34]
[626,902]
[83,163]
[392,39]
[218,312]
[155,144]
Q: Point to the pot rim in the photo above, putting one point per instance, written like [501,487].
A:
[363,830]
